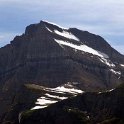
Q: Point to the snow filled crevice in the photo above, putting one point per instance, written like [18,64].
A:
[115,72]
[107,62]
[66,34]
[83,48]
[48,29]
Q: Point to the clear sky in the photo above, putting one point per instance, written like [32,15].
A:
[102,17]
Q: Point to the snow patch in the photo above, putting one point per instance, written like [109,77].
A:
[68,90]
[107,62]
[64,90]
[56,97]
[55,24]
[43,102]
[100,92]
[111,90]
[115,72]
[48,29]
[66,34]
[122,65]
[38,107]
[83,48]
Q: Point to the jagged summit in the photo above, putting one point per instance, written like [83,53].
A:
[44,25]
[85,37]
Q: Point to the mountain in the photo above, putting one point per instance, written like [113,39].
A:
[48,59]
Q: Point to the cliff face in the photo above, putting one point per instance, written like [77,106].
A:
[49,55]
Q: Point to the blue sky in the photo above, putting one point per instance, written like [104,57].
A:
[102,17]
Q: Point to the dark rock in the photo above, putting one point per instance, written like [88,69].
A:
[35,57]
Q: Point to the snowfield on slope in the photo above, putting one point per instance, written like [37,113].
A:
[54,95]
[83,48]
[66,34]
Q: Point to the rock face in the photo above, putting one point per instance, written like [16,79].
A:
[50,56]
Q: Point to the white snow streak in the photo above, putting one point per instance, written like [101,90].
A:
[83,48]
[122,65]
[56,97]
[106,91]
[43,101]
[115,72]
[55,24]
[68,90]
[38,107]
[111,90]
[66,34]
[107,62]
[48,29]
[64,90]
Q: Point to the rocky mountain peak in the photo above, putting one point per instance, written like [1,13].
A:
[47,55]
[43,25]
